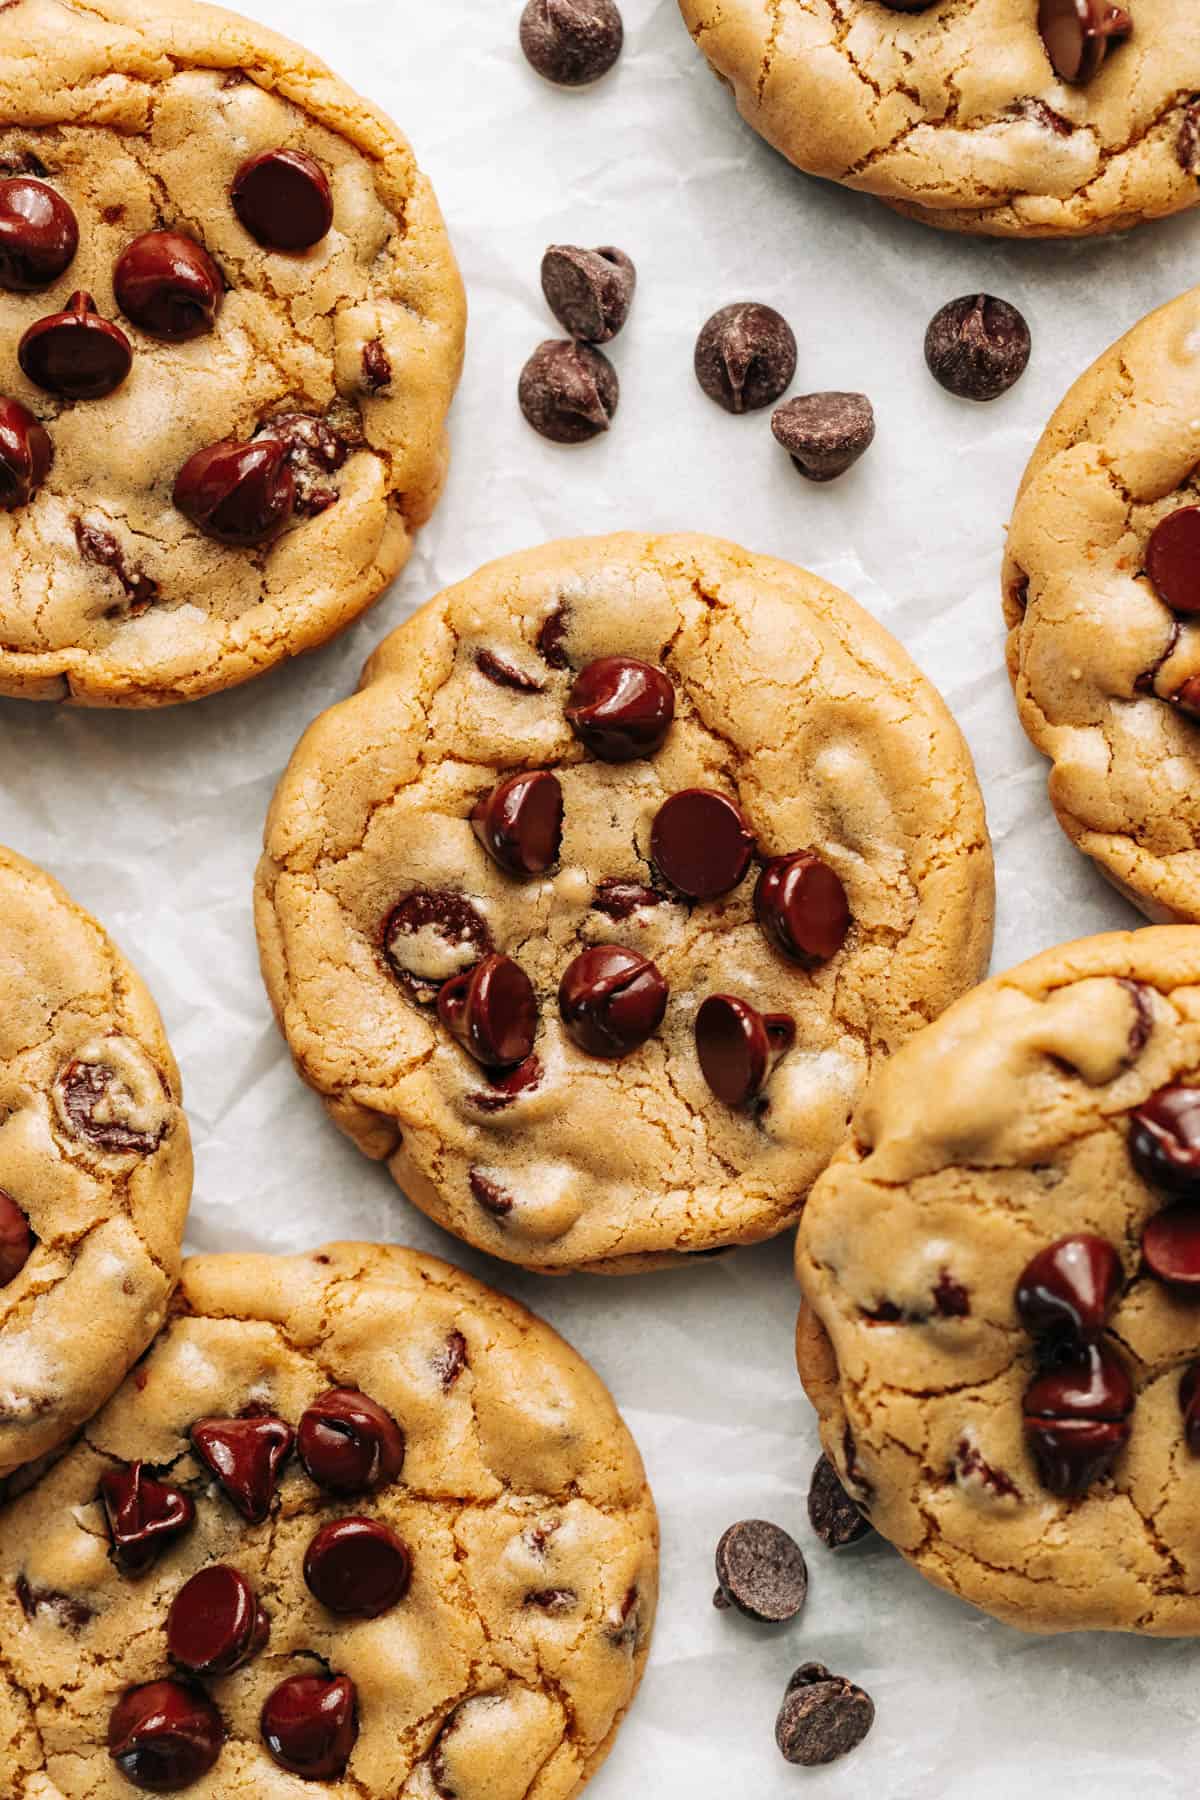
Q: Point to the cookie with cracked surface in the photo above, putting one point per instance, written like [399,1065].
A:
[1008,118]
[240,328]
[447,1585]
[593,908]
[1100,598]
[95,1167]
[999,1332]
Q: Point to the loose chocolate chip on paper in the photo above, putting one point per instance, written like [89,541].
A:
[588,291]
[832,1514]
[568,392]
[825,434]
[823,1716]
[977,347]
[745,357]
[572,42]
[762,1572]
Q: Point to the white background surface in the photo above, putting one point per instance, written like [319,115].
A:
[154,821]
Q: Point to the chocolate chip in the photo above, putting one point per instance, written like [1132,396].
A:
[977,347]
[144,1515]
[76,353]
[491,1011]
[1078,35]
[738,1046]
[1187,144]
[1077,1420]
[1143,1017]
[348,1443]
[520,823]
[823,1716]
[1173,559]
[618,899]
[490,1195]
[611,1000]
[555,1601]
[239,494]
[1189,1406]
[283,199]
[589,292]
[745,357]
[1164,1140]
[16,1239]
[701,843]
[1069,1289]
[358,1568]
[68,1612]
[831,1512]
[310,1725]
[825,434]
[568,392]
[572,42]
[26,454]
[168,285]
[164,1736]
[376,366]
[950,1298]
[551,639]
[451,1360]
[216,1624]
[505,675]
[98,545]
[314,452]
[1171,1245]
[1186,698]
[1030,107]
[507,1085]
[621,709]
[762,1572]
[969,1465]
[801,905]
[431,936]
[246,1456]
[39,235]
[93,1107]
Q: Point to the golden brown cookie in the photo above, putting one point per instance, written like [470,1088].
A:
[356,1526]
[1000,1273]
[964,114]
[206,240]
[95,1166]
[592,910]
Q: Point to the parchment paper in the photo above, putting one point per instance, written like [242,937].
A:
[154,822]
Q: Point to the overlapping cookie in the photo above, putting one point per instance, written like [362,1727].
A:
[593,909]
[1016,118]
[95,1167]
[1101,596]
[233,327]
[357,1526]
[1001,1269]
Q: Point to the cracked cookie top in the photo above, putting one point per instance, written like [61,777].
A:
[356,1524]
[233,326]
[1000,1271]
[1016,118]
[95,1166]
[1101,595]
[592,910]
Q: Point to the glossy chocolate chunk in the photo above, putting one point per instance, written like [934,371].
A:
[310,1725]
[1070,1288]
[75,353]
[16,1239]
[520,822]
[164,1736]
[358,1568]
[1173,559]
[701,843]
[283,199]
[1078,34]
[1077,1420]
[239,494]
[1171,1245]
[144,1515]
[349,1444]
[611,1000]
[738,1046]
[1164,1140]
[168,285]
[762,1572]
[801,905]
[216,1623]
[492,1011]
[39,235]
[246,1456]
[26,454]
[621,709]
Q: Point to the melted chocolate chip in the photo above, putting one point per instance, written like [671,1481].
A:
[16,1239]
[76,353]
[349,1444]
[144,1515]
[621,709]
[216,1624]
[507,1085]
[1030,107]
[951,1299]
[832,1514]
[572,42]
[1189,1406]
[39,234]
[490,1195]
[241,494]
[504,675]
[491,1011]
[67,1612]
[1164,1140]
[376,366]
[1173,559]
[315,451]
[969,1465]
[1171,1245]
[551,639]
[701,843]
[98,545]
[977,347]
[520,823]
[26,454]
[310,1725]
[762,1572]
[451,1360]
[738,1046]
[611,1000]
[246,1456]
[1143,1017]
[823,1716]
[802,907]
[431,936]
[358,1568]
[1070,1288]
[168,285]
[568,392]
[1077,1420]
[745,357]
[84,1091]
[618,899]
[283,199]
[1187,144]
[164,1736]
[1078,35]
[589,292]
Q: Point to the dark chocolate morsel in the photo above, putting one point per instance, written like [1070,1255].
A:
[144,1515]
[825,434]
[621,709]
[1077,1420]
[572,42]
[431,936]
[832,1514]
[1171,1245]
[762,1572]
[283,199]
[240,494]
[1173,559]
[164,1736]
[802,907]
[745,357]
[1070,1288]
[738,1046]
[568,392]
[76,353]
[492,1011]
[701,843]
[611,1000]
[588,291]
[520,823]
[1189,1405]
[246,1456]
[26,454]
[39,235]
[823,1716]
[357,1568]
[1164,1140]
[349,1444]
[216,1624]
[1078,35]
[168,285]
[310,1725]
[16,1239]
[618,899]
[977,347]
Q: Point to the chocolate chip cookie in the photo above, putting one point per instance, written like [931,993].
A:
[1014,118]
[233,328]
[95,1166]
[1001,1269]
[592,910]
[1101,596]
[356,1520]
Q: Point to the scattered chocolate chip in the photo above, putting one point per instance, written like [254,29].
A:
[283,199]
[490,1195]
[568,392]
[164,1736]
[451,1360]
[67,1611]
[16,1239]
[505,675]
[762,1572]
[491,1010]
[745,357]
[86,1091]
[505,1086]
[520,822]
[551,639]
[144,1515]
[825,434]
[430,937]
[621,709]
[977,347]
[358,1568]
[310,1725]
[950,1298]
[831,1512]
[246,1456]
[1077,1420]
[572,42]
[1171,1245]
[1078,35]
[802,907]
[349,1444]
[76,353]
[26,454]
[98,545]
[239,494]
[823,1716]
[738,1046]
[39,235]
[216,1624]
[701,842]
[969,1465]
[589,292]
[1069,1289]
[1189,1405]
[618,899]
[168,285]
[1187,144]
[1173,559]
[1164,1140]
[611,1000]
[376,366]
